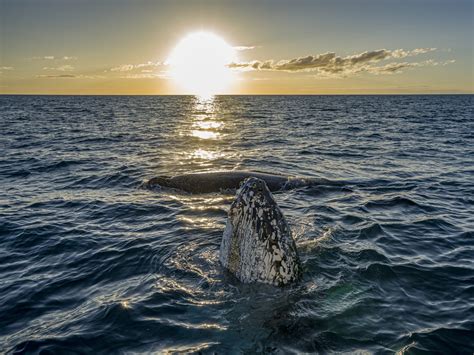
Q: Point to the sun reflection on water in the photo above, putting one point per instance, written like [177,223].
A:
[205,134]
[197,222]
[208,124]
[200,146]
[204,124]
[206,154]
[125,304]
[204,103]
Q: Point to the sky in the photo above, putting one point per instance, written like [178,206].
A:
[281,47]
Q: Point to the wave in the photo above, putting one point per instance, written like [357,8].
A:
[398,202]
[90,261]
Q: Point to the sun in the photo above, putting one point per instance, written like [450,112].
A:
[199,64]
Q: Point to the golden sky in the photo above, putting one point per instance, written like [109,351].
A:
[230,47]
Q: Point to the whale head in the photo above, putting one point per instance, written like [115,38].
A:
[160,181]
[257,245]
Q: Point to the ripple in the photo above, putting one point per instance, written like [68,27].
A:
[90,261]
[397,202]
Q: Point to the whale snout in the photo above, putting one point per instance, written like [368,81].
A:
[254,184]
[252,189]
[257,245]
[160,181]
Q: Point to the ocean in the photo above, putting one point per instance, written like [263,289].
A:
[90,262]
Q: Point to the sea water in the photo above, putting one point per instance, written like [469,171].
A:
[90,262]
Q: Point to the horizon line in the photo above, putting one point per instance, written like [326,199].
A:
[289,94]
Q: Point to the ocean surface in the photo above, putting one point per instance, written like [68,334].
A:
[90,262]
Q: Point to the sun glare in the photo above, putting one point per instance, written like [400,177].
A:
[198,64]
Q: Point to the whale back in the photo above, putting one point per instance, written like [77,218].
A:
[216,181]
[207,181]
[257,245]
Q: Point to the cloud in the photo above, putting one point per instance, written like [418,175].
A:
[329,64]
[52,57]
[451,61]
[66,76]
[391,68]
[124,67]
[139,71]
[304,63]
[45,57]
[5,68]
[130,67]
[143,75]
[70,76]
[395,67]
[66,67]
[400,53]
[244,48]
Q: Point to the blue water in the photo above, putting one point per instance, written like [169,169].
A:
[92,263]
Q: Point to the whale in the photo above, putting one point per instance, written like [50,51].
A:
[257,246]
[216,181]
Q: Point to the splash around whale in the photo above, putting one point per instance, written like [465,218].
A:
[216,181]
[257,245]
